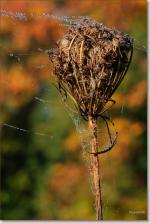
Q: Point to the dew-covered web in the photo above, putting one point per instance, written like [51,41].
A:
[80,124]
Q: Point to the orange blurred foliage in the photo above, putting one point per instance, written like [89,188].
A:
[137,96]
[134,98]
[128,131]
[72,142]
[65,176]
[15,82]
[116,13]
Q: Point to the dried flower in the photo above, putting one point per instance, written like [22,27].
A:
[90,62]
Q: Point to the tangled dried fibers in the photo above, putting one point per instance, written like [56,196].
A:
[90,62]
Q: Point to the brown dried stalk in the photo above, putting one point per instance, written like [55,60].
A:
[90,61]
[96,168]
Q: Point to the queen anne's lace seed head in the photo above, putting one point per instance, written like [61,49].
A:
[90,62]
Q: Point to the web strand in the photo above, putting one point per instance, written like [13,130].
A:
[25,130]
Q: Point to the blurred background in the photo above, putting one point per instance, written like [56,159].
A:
[44,173]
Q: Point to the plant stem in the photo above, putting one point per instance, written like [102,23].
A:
[96,168]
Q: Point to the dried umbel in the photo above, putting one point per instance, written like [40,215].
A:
[90,62]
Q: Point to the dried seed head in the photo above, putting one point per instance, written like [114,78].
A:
[90,62]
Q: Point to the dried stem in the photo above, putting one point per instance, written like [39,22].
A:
[96,167]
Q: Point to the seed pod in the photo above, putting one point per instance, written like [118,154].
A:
[90,62]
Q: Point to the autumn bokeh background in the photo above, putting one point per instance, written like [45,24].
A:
[44,177]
